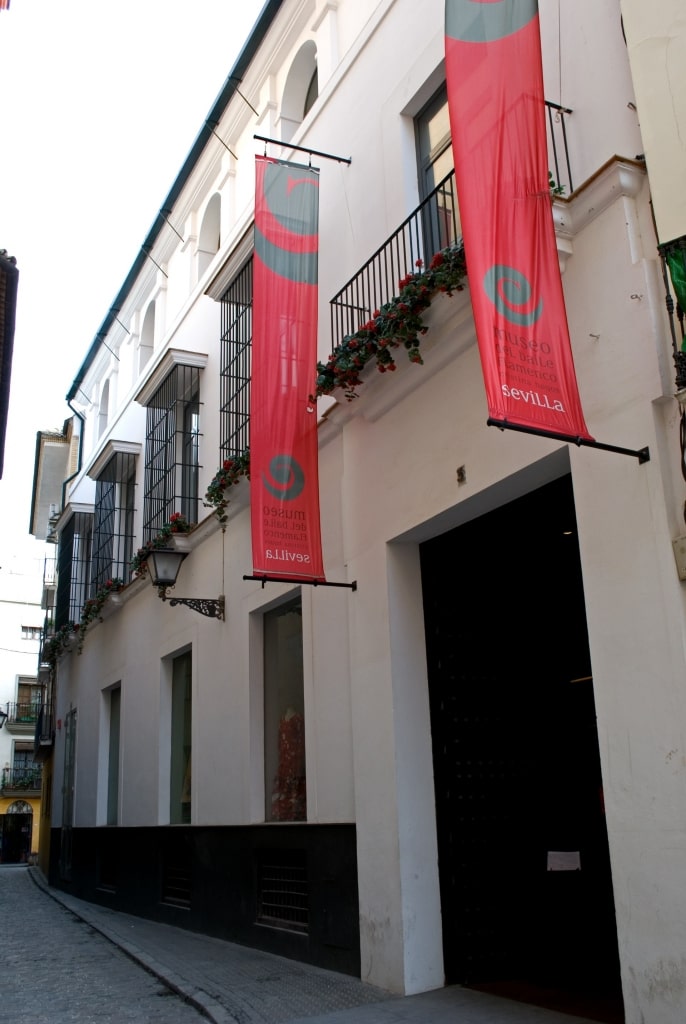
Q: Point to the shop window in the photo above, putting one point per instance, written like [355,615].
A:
[114,701]
[181,721]
[284,714]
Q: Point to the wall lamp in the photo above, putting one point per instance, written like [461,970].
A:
[164,565]
[3,718]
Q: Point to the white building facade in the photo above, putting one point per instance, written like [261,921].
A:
[485,738]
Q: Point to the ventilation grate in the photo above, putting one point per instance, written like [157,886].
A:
[283,896]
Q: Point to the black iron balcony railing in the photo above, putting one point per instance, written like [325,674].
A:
[25,779]
[430,228]
[22,713]
[433,226]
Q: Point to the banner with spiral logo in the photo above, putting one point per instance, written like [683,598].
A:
[284,478]
[497,116]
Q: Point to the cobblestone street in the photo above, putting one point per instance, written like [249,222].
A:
[67,961]
[57,969]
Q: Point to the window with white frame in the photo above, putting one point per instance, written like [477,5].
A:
[284,714]
[181,746]
[172,449]
[236,340]
[113,528]
[441,217]
[73,567]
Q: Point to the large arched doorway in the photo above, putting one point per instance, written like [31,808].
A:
[526,887]
[17,828]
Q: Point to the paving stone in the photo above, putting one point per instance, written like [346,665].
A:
[67,960]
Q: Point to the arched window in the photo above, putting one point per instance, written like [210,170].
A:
[147,339]
[301,90]
[209,236]
[103,411]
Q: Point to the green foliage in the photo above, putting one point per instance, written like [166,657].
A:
[229,474]
[397,324]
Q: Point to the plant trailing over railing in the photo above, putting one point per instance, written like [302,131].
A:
[92,609]
[55,646]
[58,643]
[229,474]
[398,323]
[177,523]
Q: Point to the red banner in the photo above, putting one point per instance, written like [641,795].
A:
[284,480]
[497,117]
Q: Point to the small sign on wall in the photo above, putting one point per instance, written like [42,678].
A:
[564,860]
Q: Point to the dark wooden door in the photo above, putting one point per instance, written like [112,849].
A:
[515,746]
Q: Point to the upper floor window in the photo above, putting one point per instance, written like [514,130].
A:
[146,342]
[103,413]
[300,91]
[31,632]
[73,567]
[209,236]
[236,338]
[172,441]
[113,530]
[441,216]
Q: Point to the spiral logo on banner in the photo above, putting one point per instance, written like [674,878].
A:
[290,225]
[508,288]
[287,478]
[473,21]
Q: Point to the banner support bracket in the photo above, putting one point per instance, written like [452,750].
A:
[312,583]
[642,454]
[304,149]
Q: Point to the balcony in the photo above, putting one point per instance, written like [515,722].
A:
[21,781]
[22,718]
[433,226]
[44,736]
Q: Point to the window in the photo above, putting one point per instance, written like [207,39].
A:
[181,720]
[435,162]
[26,774]
[29,698]
[31,632]
[284,714]
[312,93]
[73,567]
[114,696]
[236,338]
[209,237]
[172,449]
[113,518]
[103,414]
[300,90]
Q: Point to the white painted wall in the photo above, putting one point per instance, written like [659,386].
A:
[388,480]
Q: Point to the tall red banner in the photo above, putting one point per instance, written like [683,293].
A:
[497,118]
[284,479]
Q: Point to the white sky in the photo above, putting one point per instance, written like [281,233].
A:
[100,105]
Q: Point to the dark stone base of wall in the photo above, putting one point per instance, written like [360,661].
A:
[286,889]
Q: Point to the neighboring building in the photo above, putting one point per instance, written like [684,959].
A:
[56,463]
[9,281]
[490,728]
[21,700]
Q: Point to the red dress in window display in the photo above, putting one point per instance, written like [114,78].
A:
[288,790]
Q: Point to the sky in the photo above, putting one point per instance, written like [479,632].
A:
[100,104]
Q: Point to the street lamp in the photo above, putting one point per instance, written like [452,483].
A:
[3,718]
[164,565]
